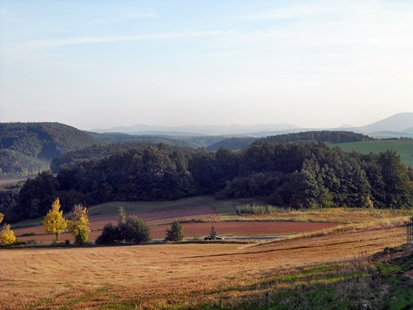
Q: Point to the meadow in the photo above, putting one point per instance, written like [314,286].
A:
[404,147]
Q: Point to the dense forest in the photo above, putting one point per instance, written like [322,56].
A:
[297,175]
[186,141]
[320,135]
[28,148]
[98,152]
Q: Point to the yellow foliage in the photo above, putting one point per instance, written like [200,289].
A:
[1,217]
[7,236]
[78,226]
[53,222]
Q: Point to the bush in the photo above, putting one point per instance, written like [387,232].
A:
[134,230]
[110,235]
[130,229]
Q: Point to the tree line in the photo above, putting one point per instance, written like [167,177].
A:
[327,136]
[295,175]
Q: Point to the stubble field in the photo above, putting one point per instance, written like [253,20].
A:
[186,275]
[158,276]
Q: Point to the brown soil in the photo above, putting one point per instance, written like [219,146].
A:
[159,220]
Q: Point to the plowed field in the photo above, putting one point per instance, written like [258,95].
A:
[159,220]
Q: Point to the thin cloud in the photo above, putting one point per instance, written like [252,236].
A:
[21,51]
[284,13]
[140,13]
[90,40]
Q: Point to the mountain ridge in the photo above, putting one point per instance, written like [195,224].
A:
[400,122]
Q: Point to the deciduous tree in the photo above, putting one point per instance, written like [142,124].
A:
[53,222]
[175,232]
[78,225]
[7,236]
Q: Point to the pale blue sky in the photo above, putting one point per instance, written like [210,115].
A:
[99,64]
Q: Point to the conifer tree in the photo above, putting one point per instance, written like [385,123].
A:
[53,222]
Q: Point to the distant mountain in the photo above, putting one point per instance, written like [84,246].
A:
[409,130]
[398,122]
[346,126]
[191,130]
[401,122]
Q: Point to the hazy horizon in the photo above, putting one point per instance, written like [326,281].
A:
[312,64]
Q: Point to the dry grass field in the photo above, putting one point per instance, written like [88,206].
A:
[163,275]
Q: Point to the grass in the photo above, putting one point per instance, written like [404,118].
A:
[113,207]
[227,211]
[323,215]
[26,223]
[404,147]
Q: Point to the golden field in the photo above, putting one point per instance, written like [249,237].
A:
[161,275]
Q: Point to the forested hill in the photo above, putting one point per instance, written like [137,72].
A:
[328,136]
[29,147]
[323,136]
[296,175]
[93,153]
[115,138]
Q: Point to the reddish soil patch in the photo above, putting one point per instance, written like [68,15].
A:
[243,228]
[159,220]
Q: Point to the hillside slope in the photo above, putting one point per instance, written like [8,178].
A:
[25,145]
[397,122]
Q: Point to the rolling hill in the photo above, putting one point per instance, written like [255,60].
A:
[28,148]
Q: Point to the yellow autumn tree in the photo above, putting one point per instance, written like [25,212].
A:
[53,222]
[7,236]
[78,225]
[1,217]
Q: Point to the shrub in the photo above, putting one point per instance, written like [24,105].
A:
[110,235]
[134,230]
[129,230]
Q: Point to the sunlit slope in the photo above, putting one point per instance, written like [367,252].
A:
[404,147]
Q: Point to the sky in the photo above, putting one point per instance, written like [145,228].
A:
[100,64]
